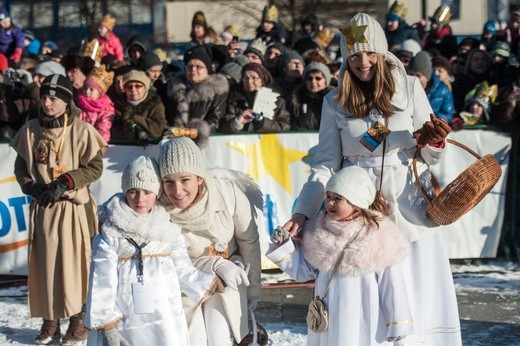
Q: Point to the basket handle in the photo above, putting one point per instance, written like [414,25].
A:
[434,181]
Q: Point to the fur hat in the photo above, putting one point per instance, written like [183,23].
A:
[108,21]
[199,19]
[85,64]
[270,14]
[58,86]
[199,53]
[318,66]
[262,72]
[421,63]
[100,79]
[181,155]
[137,76]
[141,173]
[49,67]
[354,184]
[147,61]
[363,34]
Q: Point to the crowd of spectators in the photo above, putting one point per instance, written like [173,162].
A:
[135,93]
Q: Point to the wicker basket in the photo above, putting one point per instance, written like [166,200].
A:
[463,193]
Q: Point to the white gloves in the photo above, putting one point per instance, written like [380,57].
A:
[230,273]
[111,337]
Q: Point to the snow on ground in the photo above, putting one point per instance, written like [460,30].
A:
[16,328]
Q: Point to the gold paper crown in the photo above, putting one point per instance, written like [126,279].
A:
[102,77]
[270,14]
[233,30]
[93,50]
[258,45]
[324,37]
[487,92]
[400,9]
[442,14]
[199,19]
[108,21]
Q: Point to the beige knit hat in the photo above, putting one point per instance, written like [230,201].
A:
[181,155]
[137,76]
[354,184]
[363,34]
[141,173]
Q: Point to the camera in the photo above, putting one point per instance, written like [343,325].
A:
[257,116]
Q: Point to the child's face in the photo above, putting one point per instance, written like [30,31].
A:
[476,109]
[102,31]
[91,93]
[53,106]
[442,73]
[337,207]
[154,73]
[141,201]
[181,188]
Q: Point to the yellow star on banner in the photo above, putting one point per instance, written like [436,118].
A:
[355,33]
[269,156]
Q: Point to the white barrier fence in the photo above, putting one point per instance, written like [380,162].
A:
[280,164]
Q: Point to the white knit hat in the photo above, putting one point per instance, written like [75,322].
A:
[354,184]
[181,155]
[141,173]
[363,34]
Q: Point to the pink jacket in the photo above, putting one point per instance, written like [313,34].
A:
[99,113]
[112,45]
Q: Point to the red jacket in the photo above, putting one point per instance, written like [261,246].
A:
[112,45]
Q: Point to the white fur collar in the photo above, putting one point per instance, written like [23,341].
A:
[120,221]
[373,250]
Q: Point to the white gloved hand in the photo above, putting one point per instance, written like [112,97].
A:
[111,337]
[230,273]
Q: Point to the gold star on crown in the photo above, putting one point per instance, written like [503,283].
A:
[354,33]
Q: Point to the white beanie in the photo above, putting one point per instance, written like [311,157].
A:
[47,68]
[141,173]
[363,34]
[181,155]
[354,184]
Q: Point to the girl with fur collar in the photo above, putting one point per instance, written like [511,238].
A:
[132,223]
[367,299]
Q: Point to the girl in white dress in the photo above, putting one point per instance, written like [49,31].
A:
[366,300]
[139,267]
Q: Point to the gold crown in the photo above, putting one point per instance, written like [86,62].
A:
[108,21]
[93,50]
[400,9]
[487,92]
[270,14]
[442,14]
[324,37]
[199,19]
[258,45]
[102,77]
[233,30]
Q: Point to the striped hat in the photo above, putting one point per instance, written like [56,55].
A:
[58,86]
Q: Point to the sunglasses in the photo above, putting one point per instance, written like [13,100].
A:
[136,86]
[310,79]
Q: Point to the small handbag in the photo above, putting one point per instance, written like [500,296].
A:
[318,315]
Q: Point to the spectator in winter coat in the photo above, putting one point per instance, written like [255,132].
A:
[11,38]
[97,108]
[439,95]
[150,64]
[397,31]
[137,46]
[439,25]
[77,68]
[290,70]
[306,100]
[240,116]
[501,72]
[197,98]
[141,118]
[270,30]
[512,32]
[505,111]
[111,43]
[475,71]
[271,57]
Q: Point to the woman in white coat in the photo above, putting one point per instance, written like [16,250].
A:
[221,234]
[139,267]
[375,90]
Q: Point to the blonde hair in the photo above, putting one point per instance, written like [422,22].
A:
[359,97]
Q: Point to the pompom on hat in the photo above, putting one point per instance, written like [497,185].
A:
[108,21]
[354,184]
[141,173]
[58,86]
[363,34]
[181,155]
[4,15]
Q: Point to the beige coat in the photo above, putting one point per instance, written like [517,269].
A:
[59,238]
[240,231]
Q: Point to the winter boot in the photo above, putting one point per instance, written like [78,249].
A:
[50,331]
[76,333]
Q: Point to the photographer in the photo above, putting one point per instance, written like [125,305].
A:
[239,115]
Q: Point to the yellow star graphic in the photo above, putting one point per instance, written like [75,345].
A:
[355,33]
[269,156]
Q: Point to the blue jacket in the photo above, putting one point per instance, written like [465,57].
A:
[10,39]
[441,98]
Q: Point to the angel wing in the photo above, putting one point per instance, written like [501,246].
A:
[244,182]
